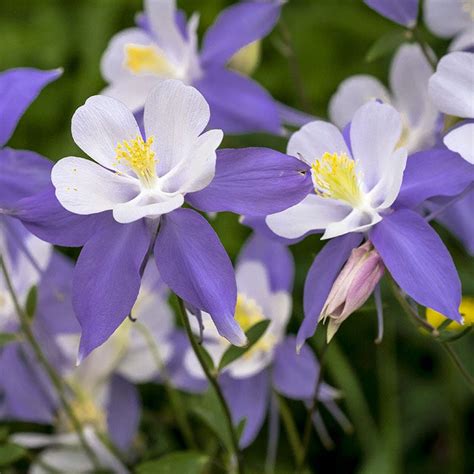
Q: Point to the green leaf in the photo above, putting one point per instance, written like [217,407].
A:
[31,301]
[6,338]
[451,336]
[386,45]
[207,358]
[189,462]
[241,427]
[10,453]
[253,335]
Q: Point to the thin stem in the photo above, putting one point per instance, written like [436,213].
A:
[215,385]
[443,208]
[51,372]
[291,429]
[173,395]
[424,46]
[457,362]
[313,409]
[273,435]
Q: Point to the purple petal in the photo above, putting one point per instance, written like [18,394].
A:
[43,215]
[418,261]
[123,412]
[295,375]
[253,181]
[259,225]
[437,172]
[236,27]
[247,398]
[194,264]
[320,278]
[275,257]
[294,117]
[403,12]
[18,89]
[22,174]
[107,280]
[238,104]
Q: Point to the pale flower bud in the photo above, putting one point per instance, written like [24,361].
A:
[356,282]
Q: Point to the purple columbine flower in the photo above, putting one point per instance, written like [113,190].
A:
[361,187]
[264,272]
[164,46]
[127,205]
[403,12]
[409,76]
[451,89]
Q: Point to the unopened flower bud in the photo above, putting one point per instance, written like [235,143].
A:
[352,287]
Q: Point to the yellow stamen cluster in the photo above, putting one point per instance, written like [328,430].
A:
[86,411]
[146,59]
[140,157]
[335,177]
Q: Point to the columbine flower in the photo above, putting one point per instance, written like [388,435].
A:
[165,47]
[352,287]
[358,189]
[466,309]
[403,12]
[451,18]
[264,272]
[128,205]
[452,91]
[409,76]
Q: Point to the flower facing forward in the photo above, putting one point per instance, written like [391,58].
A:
[364,187]
[452,91]
[127,204]
[164,46]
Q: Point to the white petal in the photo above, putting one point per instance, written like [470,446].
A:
[314,139]
[146,205]
[312,213]
[281,312]
[162,17]
[446,18]
[386,191]
[112,62]
[352,94]
[40,440]
[452,86]
[409,76]
[461,140]
[175,115]
[197,170]
[252,364]
[375,132]
[65,459]
[84,187]
[253,281]
[215,349]
[464,41]
[356,221]
[100,125]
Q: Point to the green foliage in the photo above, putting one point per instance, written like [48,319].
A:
[7,337]
[11,453]
[189,462]
[31,302]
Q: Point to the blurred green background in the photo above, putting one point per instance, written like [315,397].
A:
[410,408]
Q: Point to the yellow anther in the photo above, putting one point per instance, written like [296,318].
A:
[146,59]
[466,309]
[335,177]
[247,312]
[86,411]
[140,157]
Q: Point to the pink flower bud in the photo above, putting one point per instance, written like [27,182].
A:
[353,286]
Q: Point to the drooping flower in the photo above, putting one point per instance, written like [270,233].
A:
[452,90]
[361,188]
[451,18]
[128,204]
[403,12]
[164,46]
[264,273]
[409,76]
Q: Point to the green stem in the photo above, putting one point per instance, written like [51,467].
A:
[212,378]
[291,429]
[173,395]
[311,411]
[417,35]
[51,372]
[457,362]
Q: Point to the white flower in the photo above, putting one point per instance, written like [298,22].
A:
[452,90]
[352,190]
[136,176]
[136,60]
[255,302]
[409,76]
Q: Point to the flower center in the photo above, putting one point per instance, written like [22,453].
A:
[86,411]
[335,177]
[140,157]
[468,7]
[147,59]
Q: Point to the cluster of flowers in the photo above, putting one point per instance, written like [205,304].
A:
[370,182]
